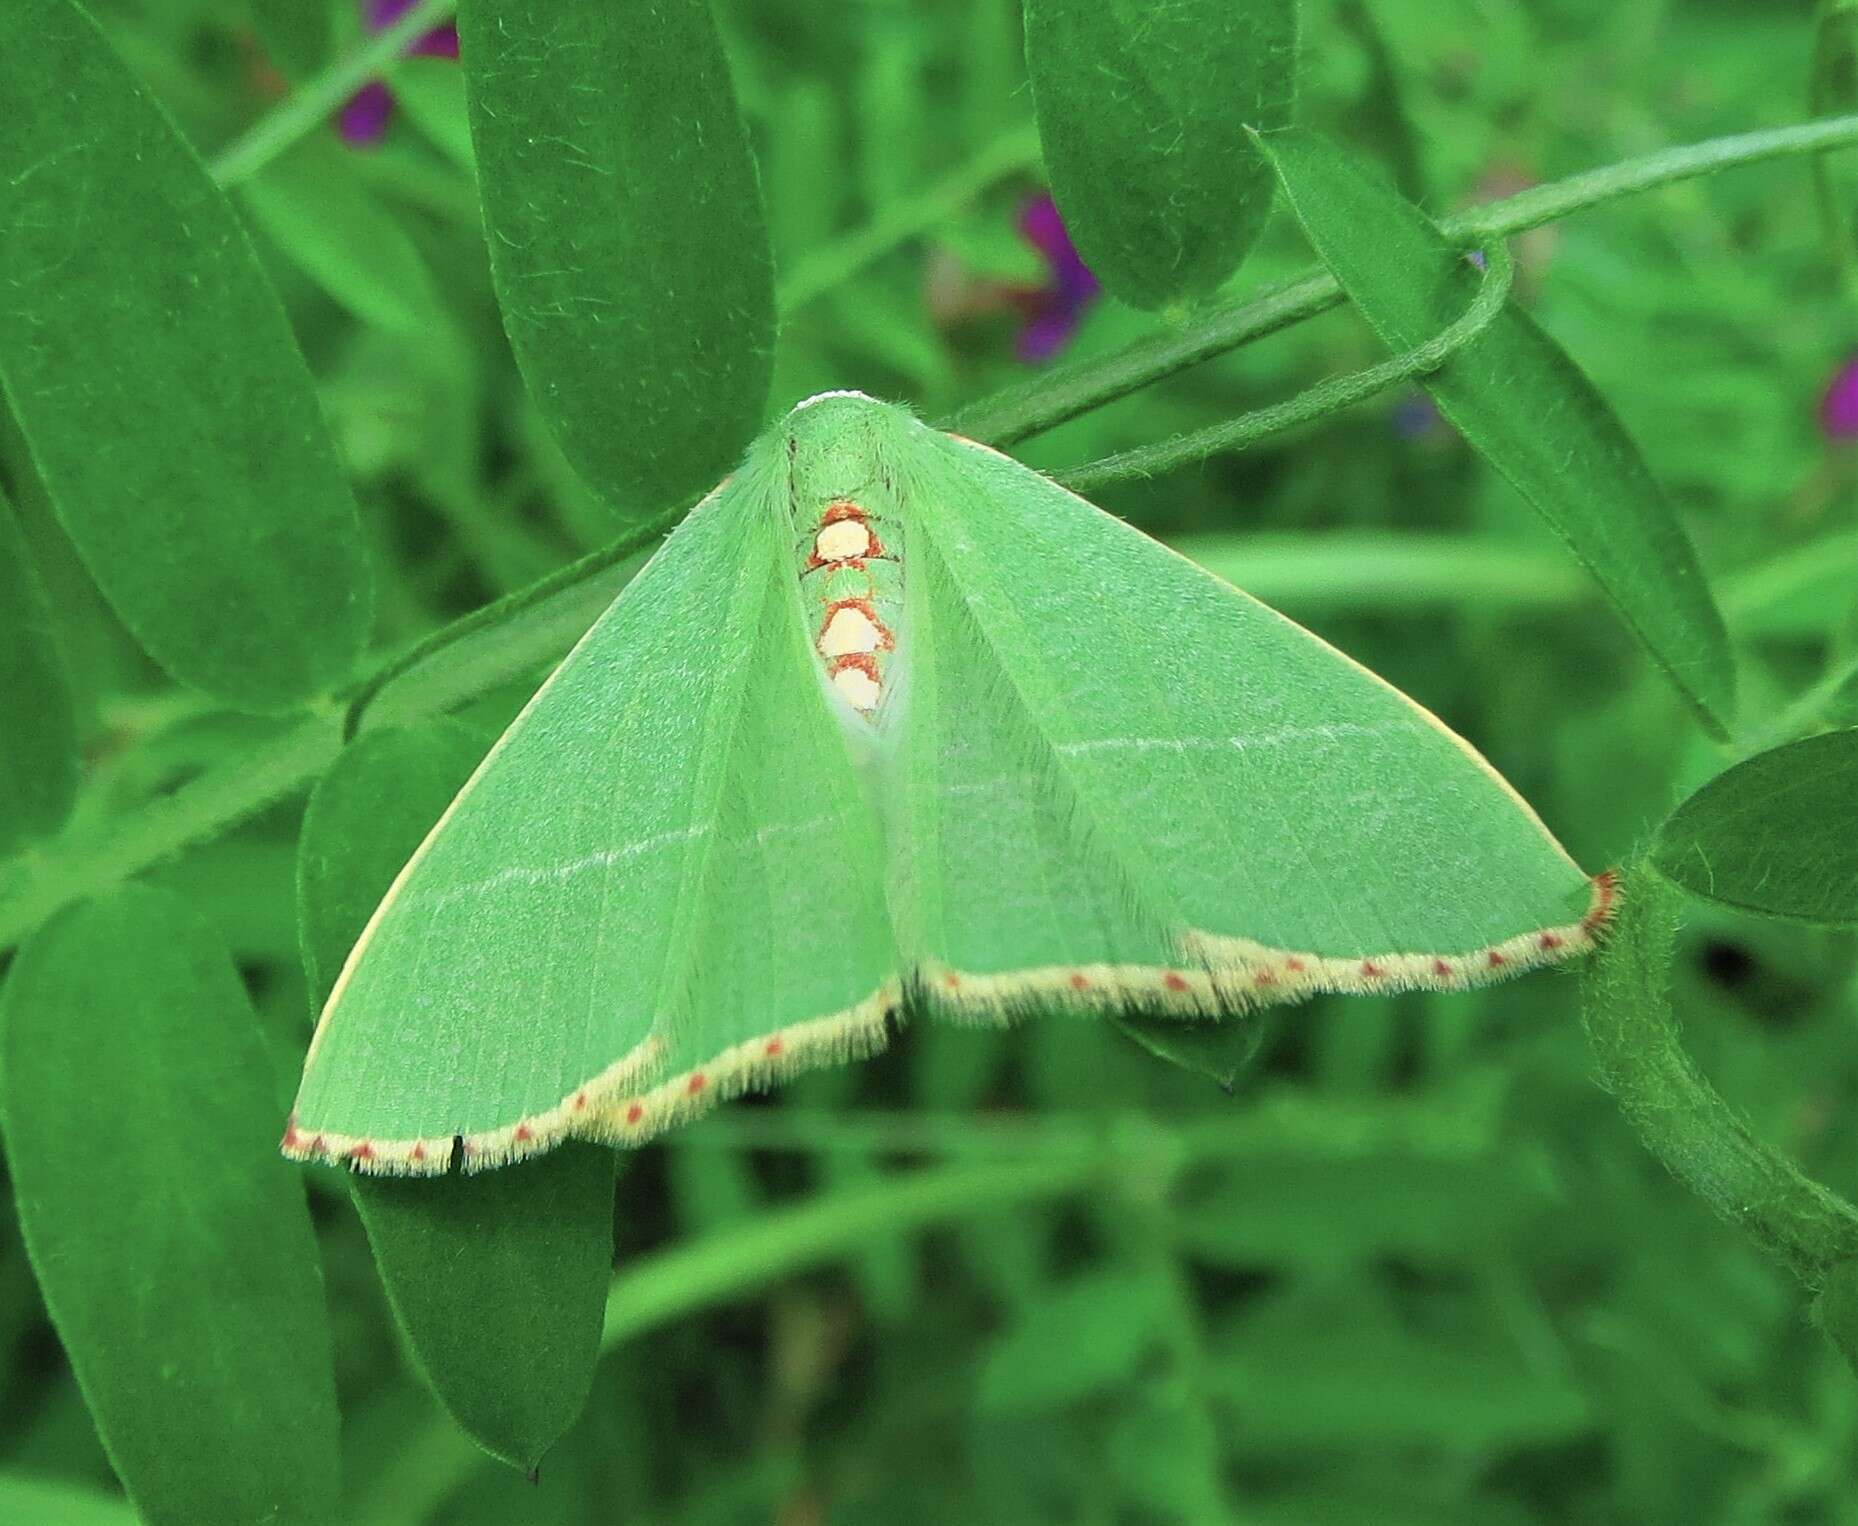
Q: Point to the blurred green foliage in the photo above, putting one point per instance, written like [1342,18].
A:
[1416,1266]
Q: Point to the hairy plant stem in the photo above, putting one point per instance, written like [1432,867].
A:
[1063,392]
[574,575]
[1679,1116]
[743,1256]
[1319,401]
[318,99]
[524,631]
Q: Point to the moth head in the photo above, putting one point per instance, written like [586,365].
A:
[835,445]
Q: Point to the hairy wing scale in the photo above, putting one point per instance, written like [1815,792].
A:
[1043,819]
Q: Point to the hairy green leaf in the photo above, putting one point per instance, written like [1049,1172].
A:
[1777,834]
[38,757]
[627,238]
[499,1280]
[1142,109]
[153,374]
[175,1257]
[1519,399]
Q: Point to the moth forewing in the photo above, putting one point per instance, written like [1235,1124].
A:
[1264,787]
[570,915]
[893,723]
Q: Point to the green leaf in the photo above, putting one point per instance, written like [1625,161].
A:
[1798,594]
[53,1502]
[1142,109]
[1082,1337]
[1835,1310]
[1834,90]
[1220,1050]
[1777,834]
[151,370]
[627,239]
[1292,1208]
[175,1257]
[431,92]
[1518,398]
[498,1279]
[322,219]
[1164,1453]
[1379,115]
[1337,1366]
[364,819]
[38,759]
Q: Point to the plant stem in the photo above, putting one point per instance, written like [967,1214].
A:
[1316,402]
[37,884]
[946,1136]
[496,645]
[317,99]
[781,1241]
[1063,392]
[1679,1116]
[1448,1123]
[509,607]
[1806,711]
[1395,572]
[1556,199]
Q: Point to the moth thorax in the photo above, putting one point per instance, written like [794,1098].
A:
[851,576]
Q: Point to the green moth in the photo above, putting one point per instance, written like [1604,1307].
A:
[893,726]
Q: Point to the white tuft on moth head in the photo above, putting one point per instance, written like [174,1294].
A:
[820,397]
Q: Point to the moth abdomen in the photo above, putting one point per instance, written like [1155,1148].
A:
[851,573]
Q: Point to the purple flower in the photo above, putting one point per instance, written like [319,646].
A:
[365,116]
[1414,417]
[1052,311]
[1838,409]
